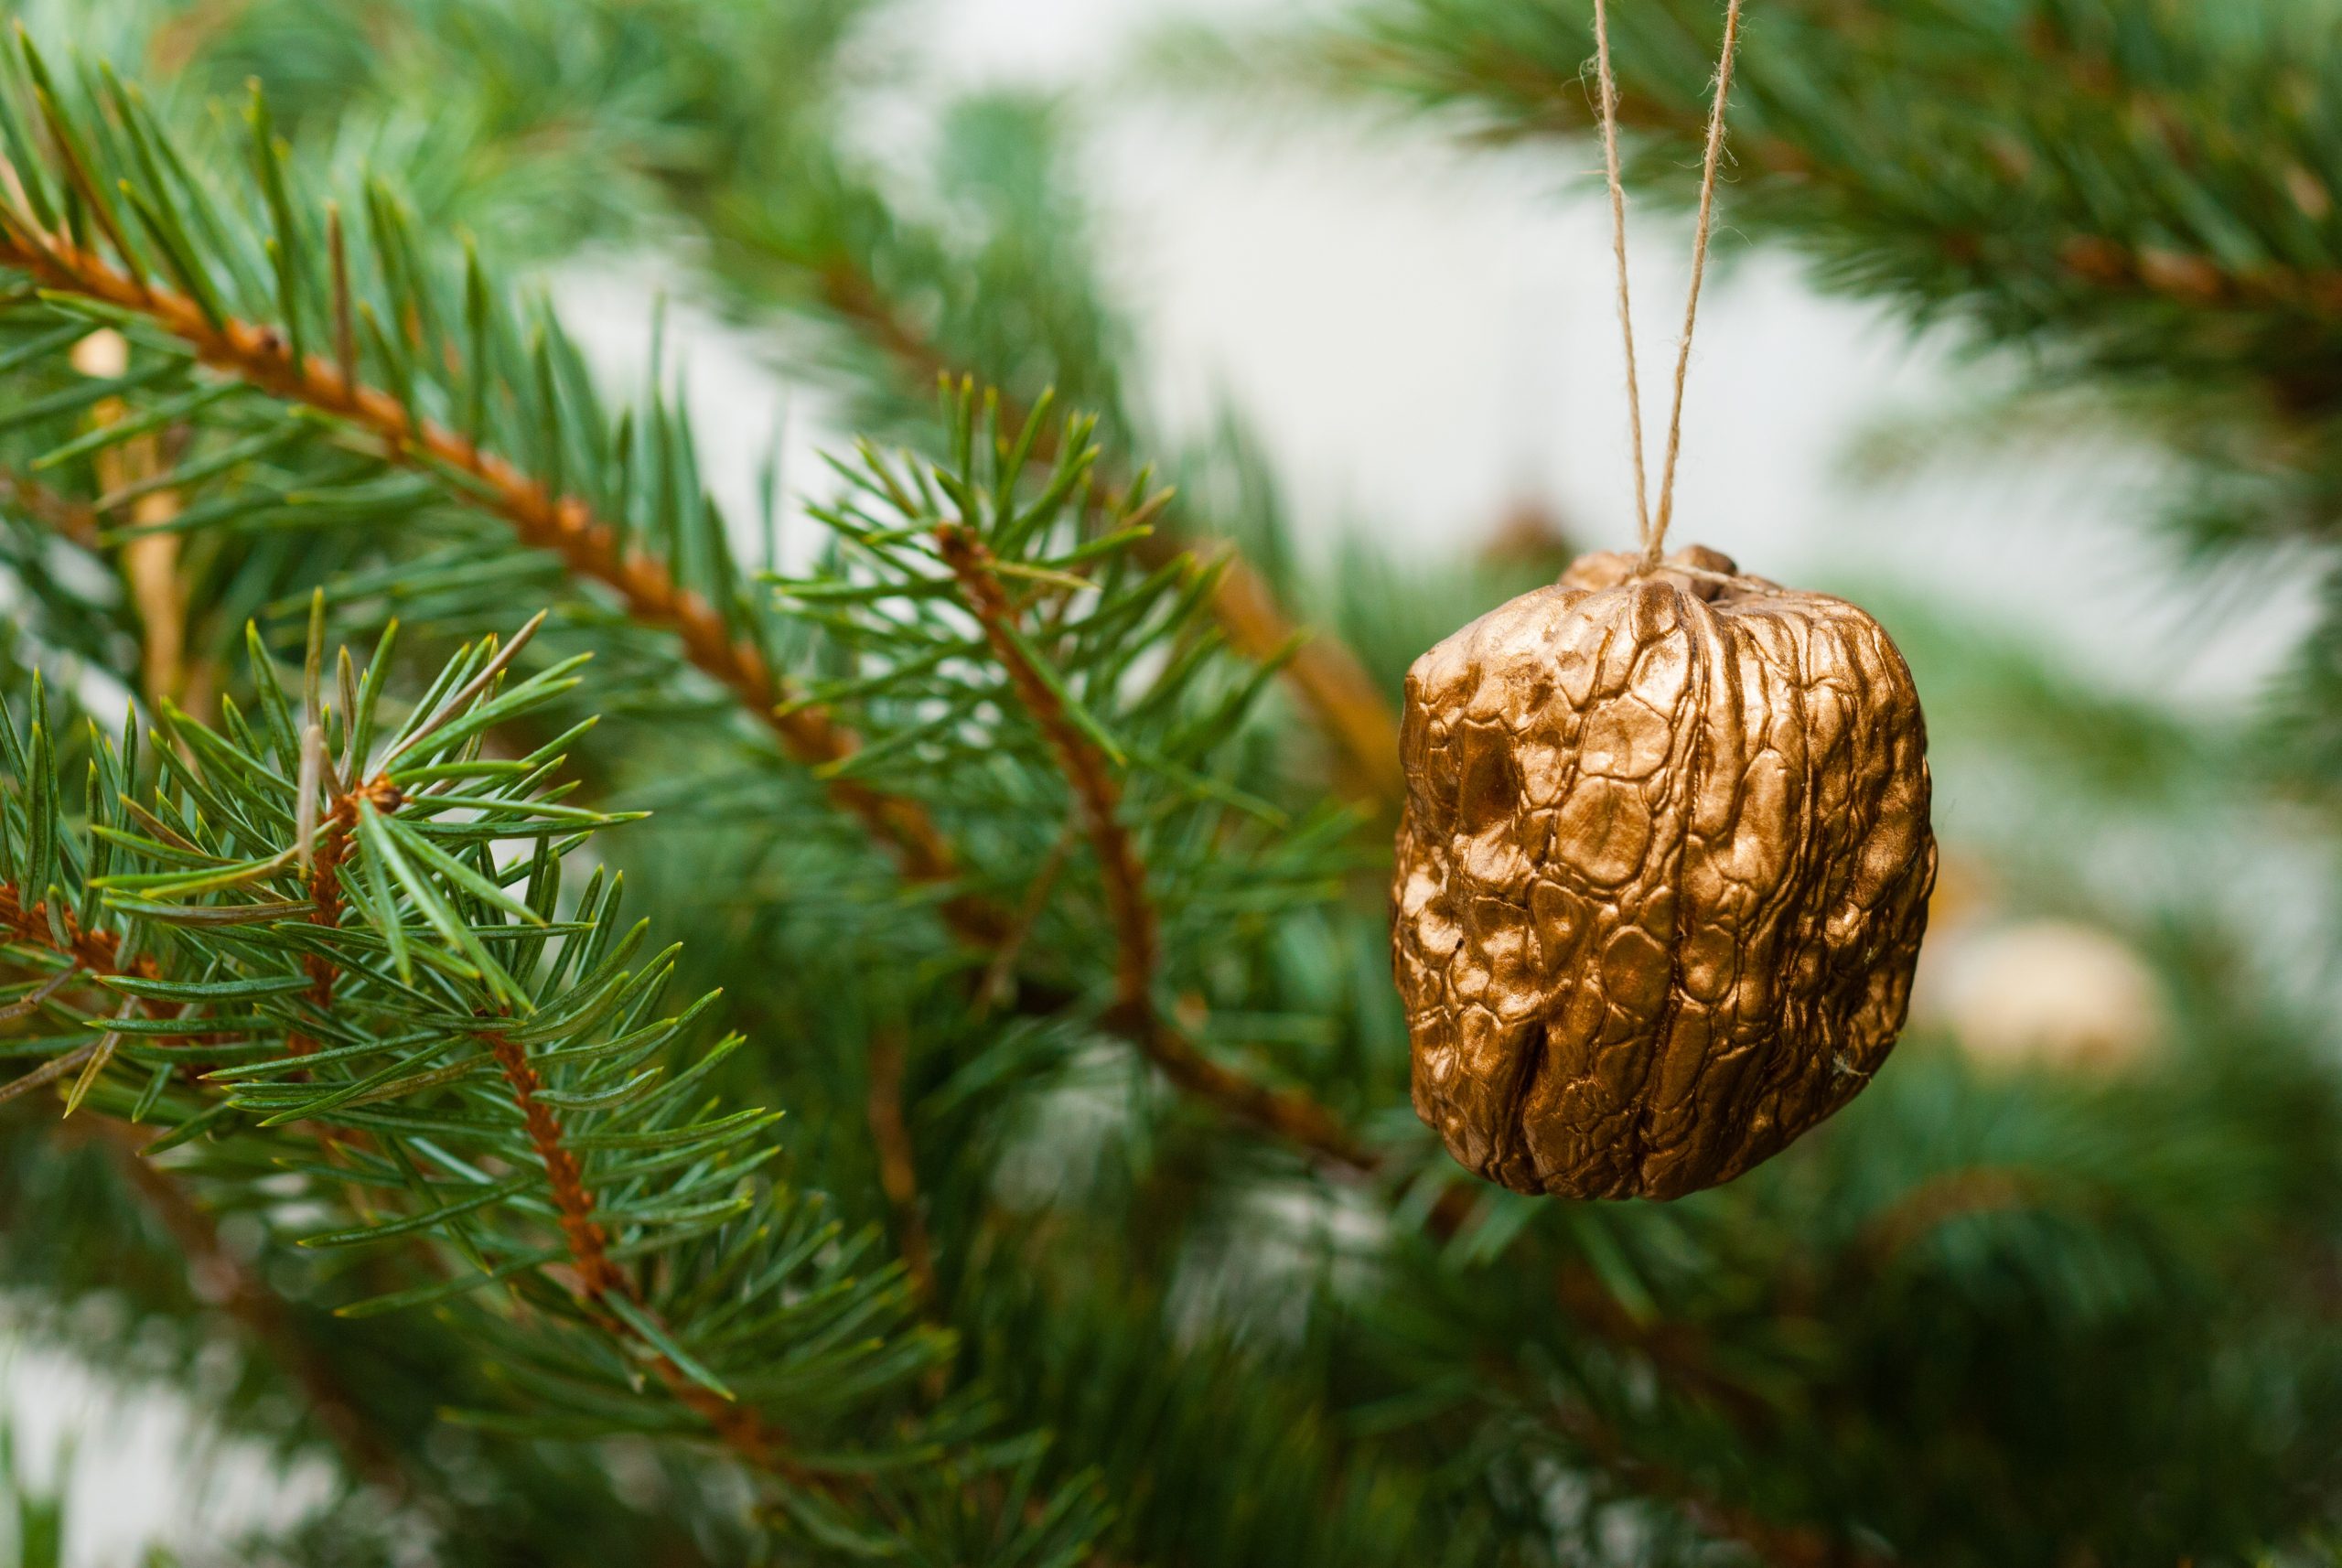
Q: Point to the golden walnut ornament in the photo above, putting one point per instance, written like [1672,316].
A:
[1662,873]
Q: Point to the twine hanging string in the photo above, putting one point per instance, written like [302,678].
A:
[1618,249]
[1650,527]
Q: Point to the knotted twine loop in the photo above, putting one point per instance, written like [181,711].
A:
[1652,529]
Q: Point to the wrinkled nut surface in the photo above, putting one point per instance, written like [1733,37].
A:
[1661,875]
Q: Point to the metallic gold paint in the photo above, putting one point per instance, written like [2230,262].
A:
[1662,873]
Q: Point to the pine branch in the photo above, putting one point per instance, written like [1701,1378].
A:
[740,1428]
[961,548]
[563,525]
[264,358]
[242,1293]
[1288,1114]
[898,1161]
[733,128]
[599,1279]
[91,955]
[268,357]
[326,901]
[543,516]
[91,952]
[259,356]
[1332,682]
[2139,191]
[1543,100]
[62,515]
[727,1292]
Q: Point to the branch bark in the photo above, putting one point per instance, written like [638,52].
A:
[741,1427]
[563,525]
[1353,711]
[1098,797]
[1546,100]
[898,1161]
[262,1314]
[218,1271]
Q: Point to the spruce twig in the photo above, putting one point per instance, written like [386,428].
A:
[91,954]
[1287,1115]
[1335,686]
[563,525]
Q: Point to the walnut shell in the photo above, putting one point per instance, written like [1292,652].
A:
[1661,875]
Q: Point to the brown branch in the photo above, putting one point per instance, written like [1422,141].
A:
[1098,797]
[597,1274]
[96,951]
[1554,101]
[216,1270]
[325,892]
[1355,712]
[62,515]
[741,1428]
[898,1160]
[588,1243]
[563,525]
[588,546]
[221,1276]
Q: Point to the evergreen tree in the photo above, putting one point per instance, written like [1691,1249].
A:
[655,1047]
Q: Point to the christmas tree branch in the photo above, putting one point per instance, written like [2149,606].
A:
[65,516]
[58,931]
[2145,194]
[727,1295]
[263,356]
[325,881]
[216,1271]
[562,525]
[1288,1114]
[898,1161]
[239,1291]
[724,188]
[1544,100]
[740,1427]
[1333,684]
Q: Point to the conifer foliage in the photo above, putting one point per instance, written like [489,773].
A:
[985,1142]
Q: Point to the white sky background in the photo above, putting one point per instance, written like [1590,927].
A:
[1423,337]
